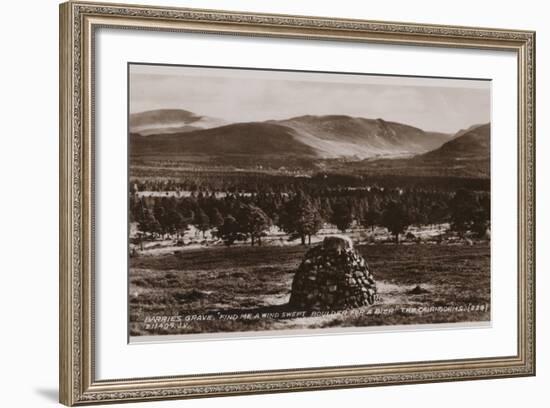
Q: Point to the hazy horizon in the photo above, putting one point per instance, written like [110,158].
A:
[241,95]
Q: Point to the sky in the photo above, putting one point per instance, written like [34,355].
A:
[240,95]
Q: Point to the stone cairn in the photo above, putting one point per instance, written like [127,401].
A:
[332,276]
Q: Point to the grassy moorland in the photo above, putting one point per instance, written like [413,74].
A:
[246,288]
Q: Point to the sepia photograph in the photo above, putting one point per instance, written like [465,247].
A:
[280,202]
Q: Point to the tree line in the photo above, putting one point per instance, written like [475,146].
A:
[256,182]
[239,217]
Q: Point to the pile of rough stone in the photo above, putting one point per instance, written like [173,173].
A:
[332,276]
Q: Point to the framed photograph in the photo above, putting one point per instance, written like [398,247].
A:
[258,203]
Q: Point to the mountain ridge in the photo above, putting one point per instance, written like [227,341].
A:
[466,155]
[250,138]
[475,142]
[342,135]
[324,137]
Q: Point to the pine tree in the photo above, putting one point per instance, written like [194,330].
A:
[149,224]
[463,207]
[216,218]
[160,215]
[482,216]
[395,218]
[201,221]
[254,222]
[342,215]
[230,231]
[176,223]
[302,219]
[371,218]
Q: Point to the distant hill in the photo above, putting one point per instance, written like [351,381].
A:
[242,139]
[335,136]
[166,121]
[474,143]
[463,131]
[465,155]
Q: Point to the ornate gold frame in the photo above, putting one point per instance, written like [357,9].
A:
[78,20]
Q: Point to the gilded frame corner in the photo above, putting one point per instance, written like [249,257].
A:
[78,20]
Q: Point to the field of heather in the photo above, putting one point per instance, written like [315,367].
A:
[246,289]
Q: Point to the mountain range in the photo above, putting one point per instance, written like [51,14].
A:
[375,143]
[329,136]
